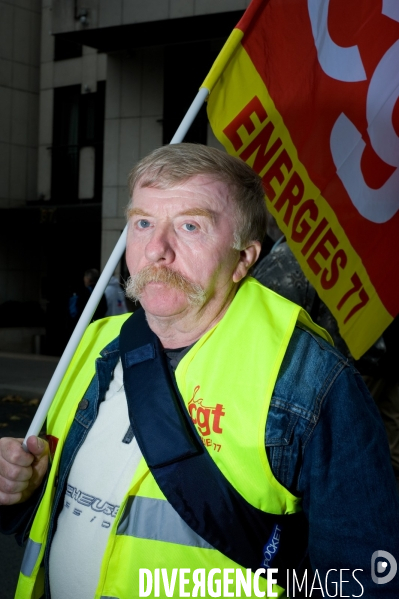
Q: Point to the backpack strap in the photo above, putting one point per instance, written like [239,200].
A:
[185,472]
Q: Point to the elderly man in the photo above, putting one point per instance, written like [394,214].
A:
[212,434]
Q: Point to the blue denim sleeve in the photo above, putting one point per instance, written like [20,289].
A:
[348,488]
[326,442]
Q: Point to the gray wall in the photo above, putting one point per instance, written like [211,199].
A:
[111,13]
[19,98]
[19,102]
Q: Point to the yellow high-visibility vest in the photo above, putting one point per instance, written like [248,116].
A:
[226,380]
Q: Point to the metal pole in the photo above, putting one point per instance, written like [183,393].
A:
[191,113]
[87,314]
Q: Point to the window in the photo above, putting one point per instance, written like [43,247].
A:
[77,151]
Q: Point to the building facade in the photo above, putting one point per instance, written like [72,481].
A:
[87,88]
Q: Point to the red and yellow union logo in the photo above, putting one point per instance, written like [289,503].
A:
[206,418]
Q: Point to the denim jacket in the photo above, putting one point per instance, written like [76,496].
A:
[326,443]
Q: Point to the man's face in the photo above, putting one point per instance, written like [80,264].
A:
[188,229]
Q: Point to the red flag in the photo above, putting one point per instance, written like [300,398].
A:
[307,92]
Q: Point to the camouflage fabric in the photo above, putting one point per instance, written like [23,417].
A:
[280,272]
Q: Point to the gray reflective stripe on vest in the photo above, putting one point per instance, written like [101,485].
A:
[30,557]
[106,597]
[155,519]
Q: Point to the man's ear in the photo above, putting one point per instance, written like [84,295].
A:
[248,257]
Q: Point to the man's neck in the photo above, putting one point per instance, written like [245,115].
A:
[181,330]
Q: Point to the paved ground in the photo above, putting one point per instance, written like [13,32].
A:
[23,380]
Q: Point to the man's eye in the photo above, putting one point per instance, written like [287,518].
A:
[189,227]
[143,224]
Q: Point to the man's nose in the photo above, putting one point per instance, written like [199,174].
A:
[160,247]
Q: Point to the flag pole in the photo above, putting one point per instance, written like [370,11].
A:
[98,291]
[192,112]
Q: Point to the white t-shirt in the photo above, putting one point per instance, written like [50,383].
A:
[100,477]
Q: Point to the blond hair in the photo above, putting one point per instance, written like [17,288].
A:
[173,164]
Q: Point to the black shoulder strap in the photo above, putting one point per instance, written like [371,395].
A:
[187,475]
[314,310]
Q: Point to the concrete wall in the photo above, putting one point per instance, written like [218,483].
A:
[106,13]
[19,106]
[19,100]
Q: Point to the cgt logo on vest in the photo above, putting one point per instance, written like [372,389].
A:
[207,419]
